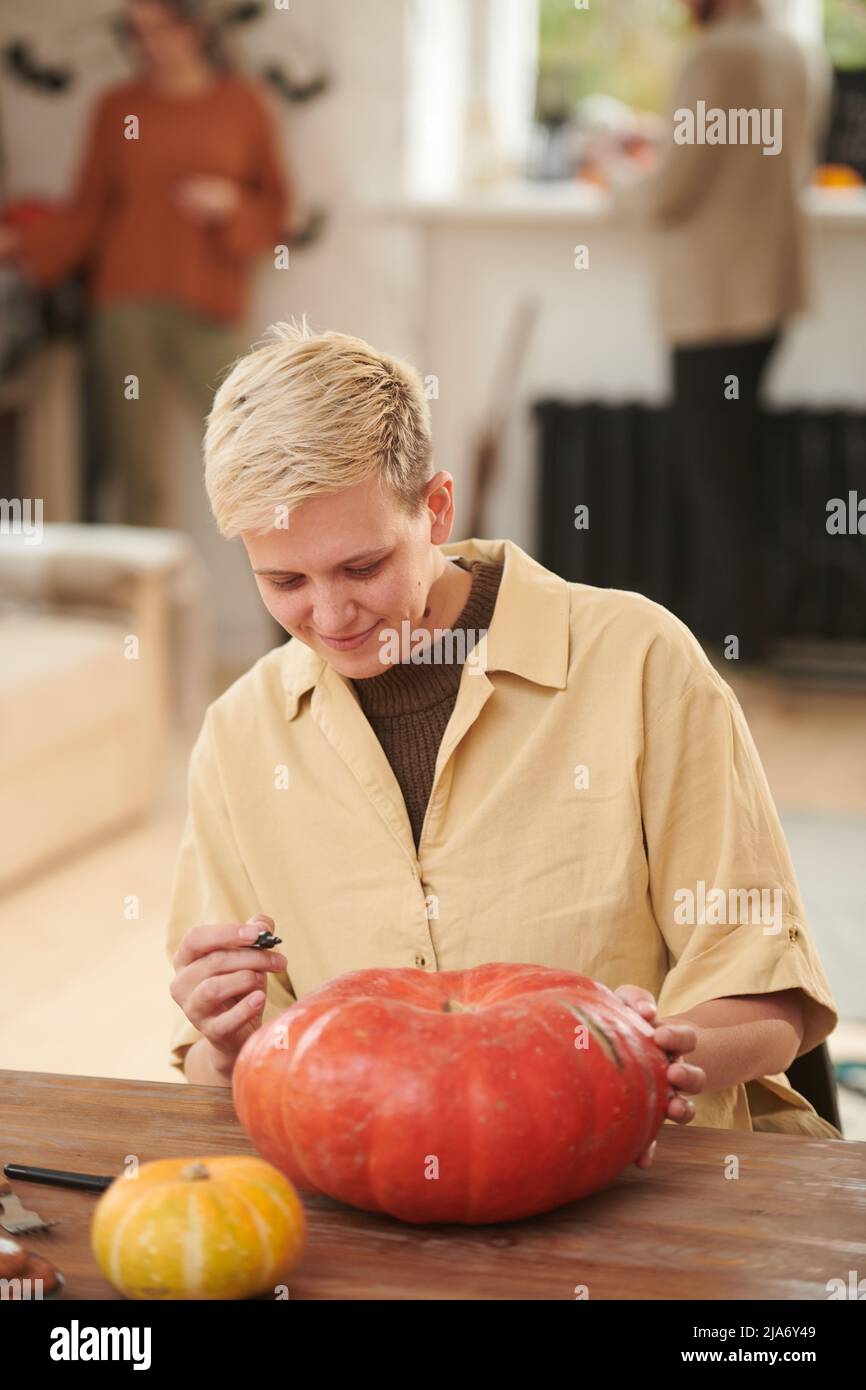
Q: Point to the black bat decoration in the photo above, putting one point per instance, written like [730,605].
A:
[296,91]
[311,230]
[18,59]
[241,14]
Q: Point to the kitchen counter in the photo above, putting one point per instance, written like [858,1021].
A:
[538,203]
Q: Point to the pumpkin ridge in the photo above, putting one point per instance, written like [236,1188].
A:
[116,1244]
[192,1244]
[595,1028]
[267,1254]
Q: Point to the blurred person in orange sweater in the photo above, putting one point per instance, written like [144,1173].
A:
[169,213]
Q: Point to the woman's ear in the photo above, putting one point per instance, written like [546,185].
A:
[440,500]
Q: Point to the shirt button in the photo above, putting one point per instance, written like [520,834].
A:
[793,933]
[420,961]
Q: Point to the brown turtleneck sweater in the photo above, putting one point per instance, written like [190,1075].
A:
[410,703]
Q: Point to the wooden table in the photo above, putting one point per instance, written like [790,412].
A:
[793,1219]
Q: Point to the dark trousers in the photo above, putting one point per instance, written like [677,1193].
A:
[722,588]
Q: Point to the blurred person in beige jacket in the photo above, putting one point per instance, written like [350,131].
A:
[749,105]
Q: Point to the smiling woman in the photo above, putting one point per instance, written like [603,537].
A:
[388,812]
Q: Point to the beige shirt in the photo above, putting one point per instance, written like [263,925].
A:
[594,765]
[732,256]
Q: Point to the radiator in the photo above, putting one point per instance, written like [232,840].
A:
[617,461]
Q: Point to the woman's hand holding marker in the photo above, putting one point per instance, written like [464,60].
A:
[220,983]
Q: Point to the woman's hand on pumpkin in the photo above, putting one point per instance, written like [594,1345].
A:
[219,982]
[676,1039]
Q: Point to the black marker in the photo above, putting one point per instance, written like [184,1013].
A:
[264,941]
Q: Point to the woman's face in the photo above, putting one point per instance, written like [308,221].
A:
[159,37]
[352,564]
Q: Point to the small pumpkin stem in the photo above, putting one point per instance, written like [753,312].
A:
[453,1006]
[194,1171]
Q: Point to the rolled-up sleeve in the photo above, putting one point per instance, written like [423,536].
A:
[211,885]
[722,884]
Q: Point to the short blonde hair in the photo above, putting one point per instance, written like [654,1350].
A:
[309,413]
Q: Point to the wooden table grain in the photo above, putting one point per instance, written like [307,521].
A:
[793,1219]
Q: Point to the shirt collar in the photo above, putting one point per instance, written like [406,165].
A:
[528,633]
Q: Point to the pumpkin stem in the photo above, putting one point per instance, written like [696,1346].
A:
[194,1171]
[453,1006]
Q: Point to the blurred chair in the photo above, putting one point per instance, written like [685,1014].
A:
[104,639]
[813,1076]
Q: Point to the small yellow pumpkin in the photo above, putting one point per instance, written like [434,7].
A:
[199,1228]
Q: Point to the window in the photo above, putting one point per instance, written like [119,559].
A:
[845,32]
[630,49]
[627,50]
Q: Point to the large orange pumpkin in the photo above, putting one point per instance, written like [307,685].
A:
[466,1096]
